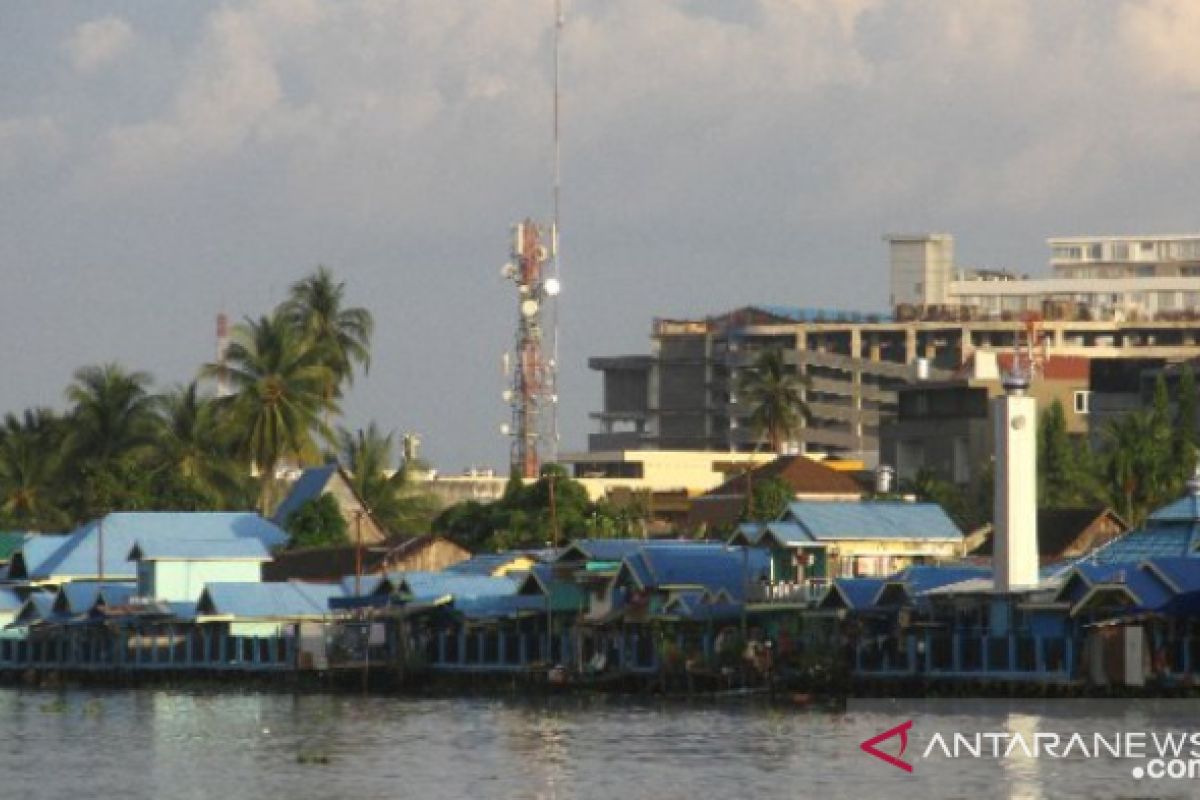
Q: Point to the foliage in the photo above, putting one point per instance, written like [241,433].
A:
[768,500]
[31,488]
[775,396]
[1184,440]
[1061,462]
[523,517]
[317,523]
[969,507]
[381,483]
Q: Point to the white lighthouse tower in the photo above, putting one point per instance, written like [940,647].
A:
[1015,551]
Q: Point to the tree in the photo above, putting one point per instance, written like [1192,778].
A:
[317,523]
[775,396]
[111,427]
[1058,461]
[343,335]
[381,483]
[193,456]
[279,381]
[1184,440]
[31,491]
[1136,452]
[768,500]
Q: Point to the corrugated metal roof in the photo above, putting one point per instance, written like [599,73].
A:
[924,577]
[171,549]
[1182,573]
[1185,509]
[872,519]
[78,555]
[486,563]
[78,598]
[308,486]
[10,601]
[431,585]
[712,566]
[857,593]
[267,600]
[1157,541]
[38,606]
[37,549]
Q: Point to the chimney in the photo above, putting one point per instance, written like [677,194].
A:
[1015,554]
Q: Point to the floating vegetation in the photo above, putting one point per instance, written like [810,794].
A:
[54,707]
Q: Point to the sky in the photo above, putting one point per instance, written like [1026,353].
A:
[162,162]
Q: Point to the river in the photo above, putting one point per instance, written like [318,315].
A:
[172,744]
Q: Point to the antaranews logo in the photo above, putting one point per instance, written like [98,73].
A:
[1173,755]
[901,730]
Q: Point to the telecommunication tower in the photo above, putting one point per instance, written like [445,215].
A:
[532,393]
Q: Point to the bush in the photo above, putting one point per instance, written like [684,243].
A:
[317,523]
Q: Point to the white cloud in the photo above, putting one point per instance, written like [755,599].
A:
[1162,36]
[98,43]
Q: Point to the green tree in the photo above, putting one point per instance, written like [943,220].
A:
[317,523]
[775,396]
[1184,440]
[279,382]
[768,500]
[31,491]
[342,335]
[111,428]
[369,457]
[1058,461]
[1133,464]
[193,458]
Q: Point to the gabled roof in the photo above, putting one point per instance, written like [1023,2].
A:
[872,519]
[564,595]
[77,556]
[599,549]
[309,486]
[431,585]
[80,597]
[1057,529]
[163,549]
[1185,509]
[711,567]
[1155,541]
[270,601]
[852,593]
[488,563]
[33,552]
[801,473]
[38,607]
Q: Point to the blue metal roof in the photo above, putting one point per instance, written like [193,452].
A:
[308,486]
[499,606]
[711,566]
[37,549]
[923,577]
[872,519]
[487,563]
[1169,540]
[38,606]
[267,600]
[10,601]
[79,598]
[432,585]
[78,555]
[171,549]
[1182,574]
[1185,509]
[857,593]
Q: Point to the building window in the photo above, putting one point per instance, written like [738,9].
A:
[1083,401]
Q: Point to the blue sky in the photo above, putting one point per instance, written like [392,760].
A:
[160,162]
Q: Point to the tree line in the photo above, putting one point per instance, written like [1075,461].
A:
[120,445]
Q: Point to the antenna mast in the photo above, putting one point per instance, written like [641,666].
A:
[532,393]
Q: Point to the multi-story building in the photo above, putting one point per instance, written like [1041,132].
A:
[682,395]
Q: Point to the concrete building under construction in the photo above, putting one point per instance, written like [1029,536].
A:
[682,395]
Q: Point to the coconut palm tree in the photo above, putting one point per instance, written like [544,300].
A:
[775,396]
[194,451]
[31,471]
[369,457]
[1138,452]
[315,306]
[279,395]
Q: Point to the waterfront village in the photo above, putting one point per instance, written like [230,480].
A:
[808,501]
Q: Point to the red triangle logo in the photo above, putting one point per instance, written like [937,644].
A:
[900,730]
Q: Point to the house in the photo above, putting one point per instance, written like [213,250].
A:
[815,541]
[723,506]
[328,564]
[264,609]
[331,479]
[99,550]
[1064,534]
[176,571]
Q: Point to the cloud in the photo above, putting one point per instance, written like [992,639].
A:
[1162,36]
[99,42]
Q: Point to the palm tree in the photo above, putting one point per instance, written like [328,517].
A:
[344,334]
[30,471]
[369,458]
[1138,450]
[775,396]
[194,450]
[111,427]
[279,395]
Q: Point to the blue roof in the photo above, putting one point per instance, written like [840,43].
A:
[10,600]
[1183,574]
[923,577]
[432,585]
[77,556]
[602,549]
[1168,540]
[487,563]
[711,566]
[803,314]
[872,519]
[267,600]
[858,593]
[1185,509]
[79,598]
[171,549]
[498,606]
[37,549]
[308,486]
[38,606]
